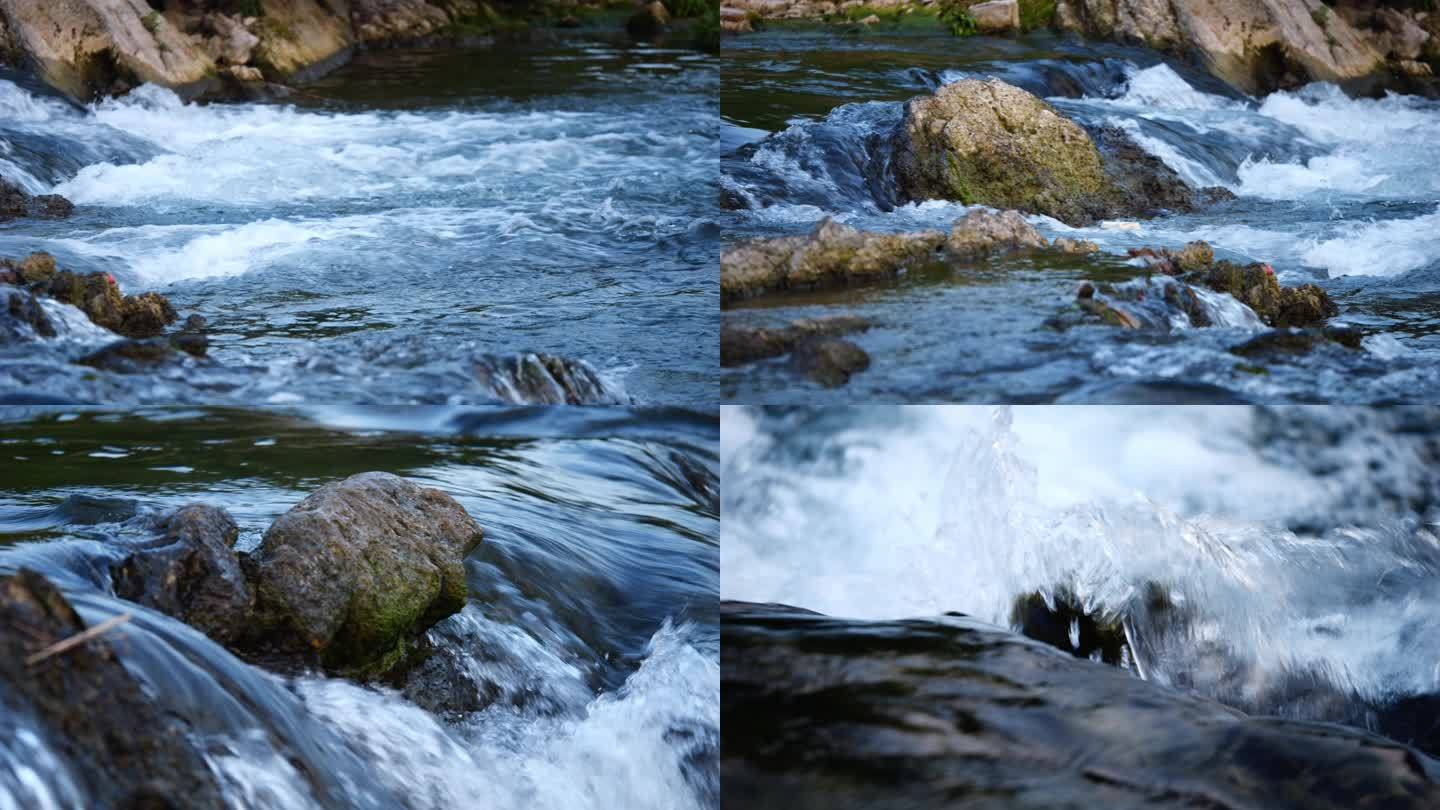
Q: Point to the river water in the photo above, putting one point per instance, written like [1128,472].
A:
[369,238]
[591,631]
[1295,546]
[1332,190]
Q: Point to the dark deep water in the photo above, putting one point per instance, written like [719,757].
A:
[1337,191]
[369,238]
[592,624]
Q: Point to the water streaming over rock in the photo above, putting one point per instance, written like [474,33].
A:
[1330,189]
[582,674]
[371,237]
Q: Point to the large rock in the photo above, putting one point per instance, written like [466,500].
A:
[382,21]
[831,714]
[359,568]
[95,294]
[124,752]
[300,39]
[190,571]
[991,143]
[996,16]
[1255,45]
[86,48]
[833,254]
[1146,185]
[986,233]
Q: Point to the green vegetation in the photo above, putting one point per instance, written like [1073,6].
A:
[152,21]
[958,20]
[706,35]
[1321,16]
[1036,14]
[249,8]
[681,9]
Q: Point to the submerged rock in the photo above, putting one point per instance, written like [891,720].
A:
[22,317]
[91,711]
[991,143]
[741,344]
[360,568]
[833,253]
[190,571]
[831,713]
[544,379]
[1281,342]
[829,361]
[648,20]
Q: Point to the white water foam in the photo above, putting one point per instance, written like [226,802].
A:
[615,752]
[1386,248]
[969,511]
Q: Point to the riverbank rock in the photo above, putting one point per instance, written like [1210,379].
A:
[991,143]
[386,21]
[1257,46]
[190,571]
[996,16]
[89,710]
[742,344]
[825,713]
[360,567]
[832,254]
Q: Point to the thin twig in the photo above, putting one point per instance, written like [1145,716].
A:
[78,639]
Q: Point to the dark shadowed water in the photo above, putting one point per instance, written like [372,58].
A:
[367,239]
[591,630]
[1337,191]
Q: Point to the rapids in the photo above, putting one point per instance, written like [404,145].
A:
[591,635]
[368,238]
[1339,191]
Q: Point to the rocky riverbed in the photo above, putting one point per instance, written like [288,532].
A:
[854,162]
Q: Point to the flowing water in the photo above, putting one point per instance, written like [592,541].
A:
[1295,547]
[591,633]
[372,236]
[1339,191]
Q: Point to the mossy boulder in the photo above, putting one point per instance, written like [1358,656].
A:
[833,254]
[359,568]
[991,143]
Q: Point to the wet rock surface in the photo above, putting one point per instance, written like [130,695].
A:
[190,571]
[986,233]
[991,143]
[829,361]
[124,751]
[95,294]
[744,344]
[832,713]
[359,568]
[16,203]
[1148,187]
[544,379]
[832,254]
